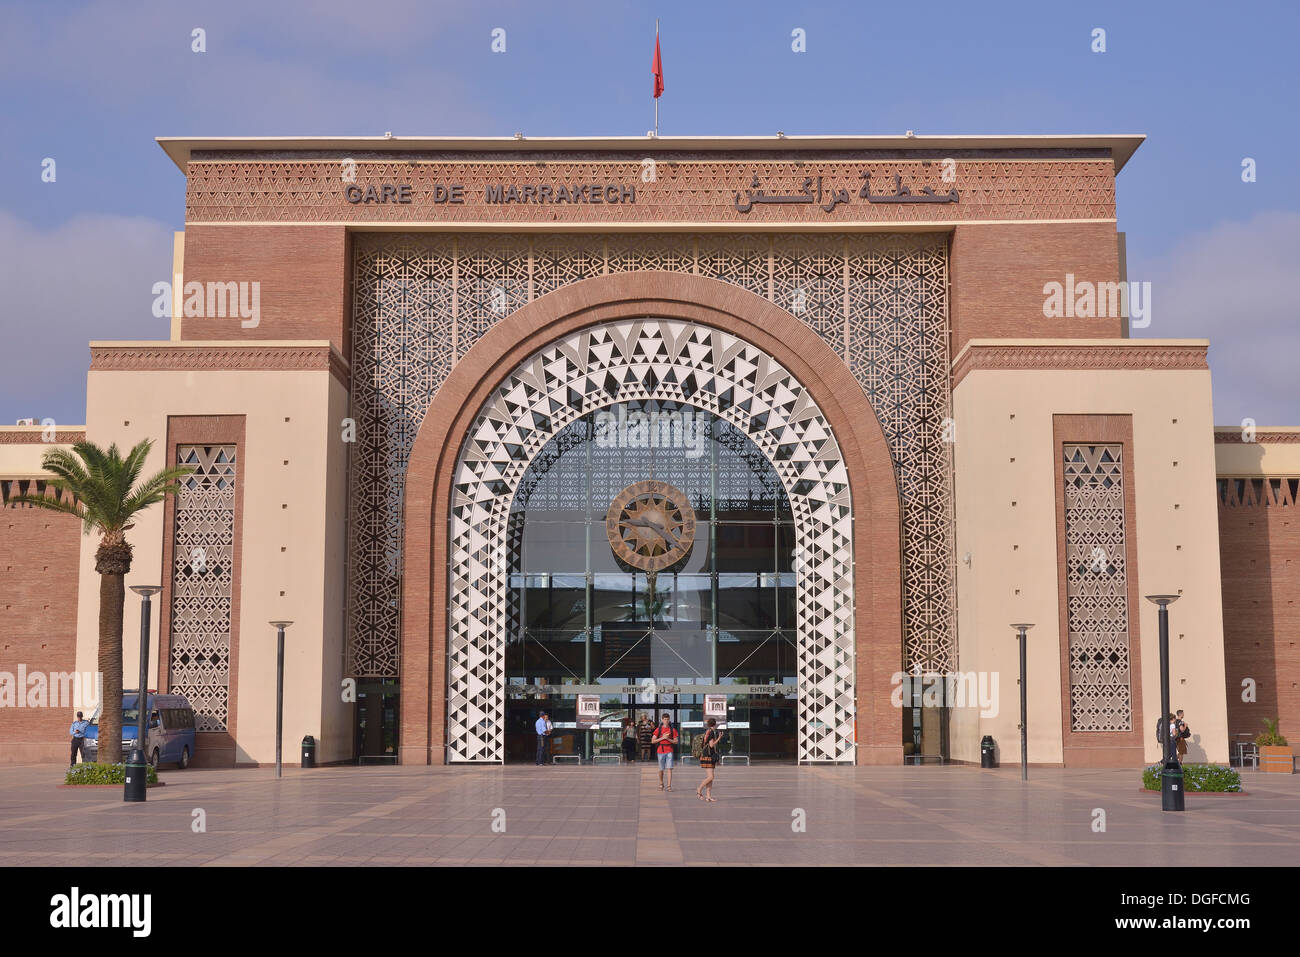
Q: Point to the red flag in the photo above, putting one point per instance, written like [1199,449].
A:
[658,67]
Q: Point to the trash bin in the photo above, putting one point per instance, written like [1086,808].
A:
[308,752]
[1171,786]
[986,752]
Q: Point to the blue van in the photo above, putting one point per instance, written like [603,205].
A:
[170,737]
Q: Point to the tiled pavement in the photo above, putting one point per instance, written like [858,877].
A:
[617,815]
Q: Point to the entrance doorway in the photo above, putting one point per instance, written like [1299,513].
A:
[760,727]
[650,569]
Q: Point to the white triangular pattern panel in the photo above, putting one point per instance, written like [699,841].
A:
[541,406]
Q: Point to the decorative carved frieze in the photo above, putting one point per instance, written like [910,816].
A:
[36,436]
[1238,436]
[222,357]
[1082,356]
[621,191]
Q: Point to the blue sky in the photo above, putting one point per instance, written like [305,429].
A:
[91,84]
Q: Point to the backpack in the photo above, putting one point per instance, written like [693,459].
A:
[697,745]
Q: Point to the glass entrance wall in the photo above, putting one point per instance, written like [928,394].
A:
[722,612]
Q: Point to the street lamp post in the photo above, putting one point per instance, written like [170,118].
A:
[1171,772]
[279,626]
[137,762]
[1021,629]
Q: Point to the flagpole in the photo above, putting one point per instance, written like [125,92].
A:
[656,98]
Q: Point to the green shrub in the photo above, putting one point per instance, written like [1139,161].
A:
[1196,777]
[103,774]
[1271,738]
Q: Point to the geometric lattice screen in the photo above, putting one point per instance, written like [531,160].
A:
[636,360]
[202,583]
[422,300]
[1096,589]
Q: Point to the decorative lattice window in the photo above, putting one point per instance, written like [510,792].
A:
[421,301]
[202,586]
[1096,589]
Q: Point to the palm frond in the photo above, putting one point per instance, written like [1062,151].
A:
[155,488]
[103,483]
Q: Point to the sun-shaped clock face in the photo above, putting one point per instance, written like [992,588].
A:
[650,525]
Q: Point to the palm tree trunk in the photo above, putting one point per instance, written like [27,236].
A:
[112,604]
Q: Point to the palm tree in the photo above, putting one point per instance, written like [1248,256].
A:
[105,496]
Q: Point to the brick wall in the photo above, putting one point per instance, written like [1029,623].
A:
[998,273]
[302,271]
[39,562]
[1259,549]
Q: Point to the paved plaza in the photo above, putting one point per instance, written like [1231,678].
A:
[617,816]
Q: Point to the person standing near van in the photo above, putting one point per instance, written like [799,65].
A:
[78,734]
[665,737]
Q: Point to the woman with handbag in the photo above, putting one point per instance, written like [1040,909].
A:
[629,741]
[709,760]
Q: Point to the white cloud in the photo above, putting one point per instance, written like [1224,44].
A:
[331,66]
[89,278]
[1236,285]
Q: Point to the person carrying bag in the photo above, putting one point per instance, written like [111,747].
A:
[708,757]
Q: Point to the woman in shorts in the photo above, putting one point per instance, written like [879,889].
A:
[709,760]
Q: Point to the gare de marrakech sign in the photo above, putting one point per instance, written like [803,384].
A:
[825,197]
[590,191]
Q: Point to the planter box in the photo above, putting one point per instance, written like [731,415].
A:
[91,787]
[1277,758]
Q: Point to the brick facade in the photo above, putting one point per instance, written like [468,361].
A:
[302,273]
[1259,554]
[999,270]
[40,555]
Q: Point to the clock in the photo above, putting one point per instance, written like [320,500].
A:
[650,525]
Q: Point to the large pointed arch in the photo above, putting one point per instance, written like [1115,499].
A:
[447,593]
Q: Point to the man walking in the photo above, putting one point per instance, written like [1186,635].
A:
[78,733]
[543,728]
[665,737]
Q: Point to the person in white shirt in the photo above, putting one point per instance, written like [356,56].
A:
[78,733]
[543,728]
